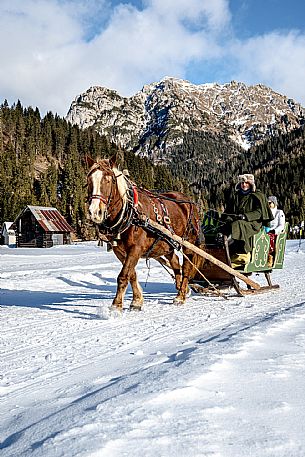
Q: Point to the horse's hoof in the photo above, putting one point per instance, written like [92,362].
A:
[178,301]
[135,306]
[116,311]
[188,292]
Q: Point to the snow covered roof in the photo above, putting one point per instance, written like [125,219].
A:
[49,219]
[6,227]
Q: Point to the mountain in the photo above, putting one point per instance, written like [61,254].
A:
[160,118]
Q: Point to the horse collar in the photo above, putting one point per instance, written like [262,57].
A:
[126,214]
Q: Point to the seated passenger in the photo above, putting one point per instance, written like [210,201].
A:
[277,225]
[245,214]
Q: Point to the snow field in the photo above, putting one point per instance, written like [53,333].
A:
[214,377]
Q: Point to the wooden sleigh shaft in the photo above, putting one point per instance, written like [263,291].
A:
[236,274]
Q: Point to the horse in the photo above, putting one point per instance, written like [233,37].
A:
[120,210]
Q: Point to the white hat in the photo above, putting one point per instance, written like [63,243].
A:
[272,199]
[246,178]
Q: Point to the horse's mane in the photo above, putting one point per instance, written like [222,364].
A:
[121,183]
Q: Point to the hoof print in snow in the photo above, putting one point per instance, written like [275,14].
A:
[115,312]
[103,312]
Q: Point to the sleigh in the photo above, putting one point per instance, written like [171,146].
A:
[212,275]
[214,271]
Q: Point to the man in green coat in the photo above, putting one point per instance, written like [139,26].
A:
[244,215]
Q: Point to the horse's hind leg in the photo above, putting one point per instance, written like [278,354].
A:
[175,264]
[187,273]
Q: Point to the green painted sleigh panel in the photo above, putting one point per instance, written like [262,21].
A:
[210,226]
[260,251]
[280,246]
[261,244]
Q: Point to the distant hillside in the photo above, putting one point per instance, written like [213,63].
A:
[207,134]
[278,165]
[41,164]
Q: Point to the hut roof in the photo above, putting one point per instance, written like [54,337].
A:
[6,227]
[48,218]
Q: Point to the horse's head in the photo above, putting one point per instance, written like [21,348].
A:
[104,181]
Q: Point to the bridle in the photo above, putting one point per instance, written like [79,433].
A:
[99,196]
[124,217]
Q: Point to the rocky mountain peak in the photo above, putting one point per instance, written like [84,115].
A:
[158,117]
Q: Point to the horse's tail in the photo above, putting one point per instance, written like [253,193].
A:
[197,239]
[195,226]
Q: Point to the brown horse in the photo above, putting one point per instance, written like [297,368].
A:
[117,207]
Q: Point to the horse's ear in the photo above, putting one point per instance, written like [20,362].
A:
[88,161]
[113,160]
[116,159]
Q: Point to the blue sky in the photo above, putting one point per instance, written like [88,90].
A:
[52,50]
[253,17]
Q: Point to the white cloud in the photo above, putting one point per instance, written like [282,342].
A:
[215,14]
[35,37]
[52,50]
[140,46]
[275,59]
[49,60]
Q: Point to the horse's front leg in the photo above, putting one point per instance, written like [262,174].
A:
[127,274]
[138,299]
[187,273]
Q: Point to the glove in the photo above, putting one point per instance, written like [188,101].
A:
[219,238]
[229,220]
[240,217]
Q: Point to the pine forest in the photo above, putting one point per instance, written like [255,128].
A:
[42,163]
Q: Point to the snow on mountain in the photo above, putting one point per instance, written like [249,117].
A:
[157,117]
[215,377]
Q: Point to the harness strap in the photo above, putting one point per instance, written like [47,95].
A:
[144,223]
[135,196]
[126,215]
[98,197]
[166,218]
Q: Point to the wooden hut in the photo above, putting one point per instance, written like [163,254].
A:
[41,227]
[7,235]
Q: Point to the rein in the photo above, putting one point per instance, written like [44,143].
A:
[161,195]
[129,214]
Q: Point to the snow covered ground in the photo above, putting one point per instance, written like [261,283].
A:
[212,378]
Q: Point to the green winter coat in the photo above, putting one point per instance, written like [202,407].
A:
[254,206]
